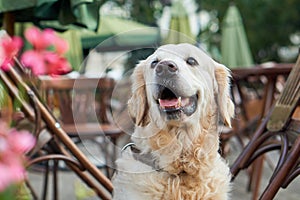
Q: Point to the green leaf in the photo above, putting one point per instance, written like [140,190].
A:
[9,193]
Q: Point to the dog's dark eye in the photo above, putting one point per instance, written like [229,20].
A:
[153,64]
[191,61]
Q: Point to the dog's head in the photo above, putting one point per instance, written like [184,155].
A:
[179,83]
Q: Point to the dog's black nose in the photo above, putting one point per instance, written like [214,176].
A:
[166,68]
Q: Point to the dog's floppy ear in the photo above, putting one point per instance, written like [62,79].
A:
[226,106]
[137,105]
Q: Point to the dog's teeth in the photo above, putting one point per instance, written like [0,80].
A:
[179,102]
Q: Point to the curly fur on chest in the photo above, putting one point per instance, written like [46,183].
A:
[188,166]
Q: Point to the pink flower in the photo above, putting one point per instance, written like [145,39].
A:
[56,64]
[41,60]
[5,180]
[45,62]
[39,40]
[13,146]
[35,61]
[61,46]
[20,141]
[10,48]
[12,171]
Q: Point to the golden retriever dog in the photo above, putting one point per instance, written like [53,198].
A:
[179,97]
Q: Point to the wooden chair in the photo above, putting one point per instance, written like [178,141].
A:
[277,130]
[253,97]
[253,92]
[53,143]
[83,105]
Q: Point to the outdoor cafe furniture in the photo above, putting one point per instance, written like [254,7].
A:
[53,143]
[83,106]
[254,90]
[277,130]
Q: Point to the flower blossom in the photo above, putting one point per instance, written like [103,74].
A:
[9,48]
[41,60]
[13,145]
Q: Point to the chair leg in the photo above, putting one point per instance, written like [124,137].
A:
[256,176]
[32,191]
[113,157]
[46,176]
[283,172]
[107,157]
[104,147]
[55,180]
[248,151]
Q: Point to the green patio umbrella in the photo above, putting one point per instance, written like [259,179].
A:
[180,31]
[57,14]
[115,33]
[234,45]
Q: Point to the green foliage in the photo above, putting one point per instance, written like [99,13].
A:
[23,192]
[268,23]
[16,192]
[145,11]
[82,191]
[4,96]
[9,193]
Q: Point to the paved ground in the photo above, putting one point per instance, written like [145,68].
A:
[241,182]
[70,186]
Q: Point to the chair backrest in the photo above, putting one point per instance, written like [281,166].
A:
[287,101]
[79,100]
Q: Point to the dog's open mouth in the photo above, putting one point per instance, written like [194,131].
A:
[174,105]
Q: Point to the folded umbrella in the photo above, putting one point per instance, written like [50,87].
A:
[235,49]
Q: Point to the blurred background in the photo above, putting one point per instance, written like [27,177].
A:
[107,38]
[270,28]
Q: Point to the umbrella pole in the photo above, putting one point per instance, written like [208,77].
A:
[9,22]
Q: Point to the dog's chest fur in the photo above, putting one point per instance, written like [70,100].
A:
[184,166]
[192,180]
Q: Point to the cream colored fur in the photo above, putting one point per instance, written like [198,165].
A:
[185,151]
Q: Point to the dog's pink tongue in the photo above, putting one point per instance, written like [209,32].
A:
[168,103]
